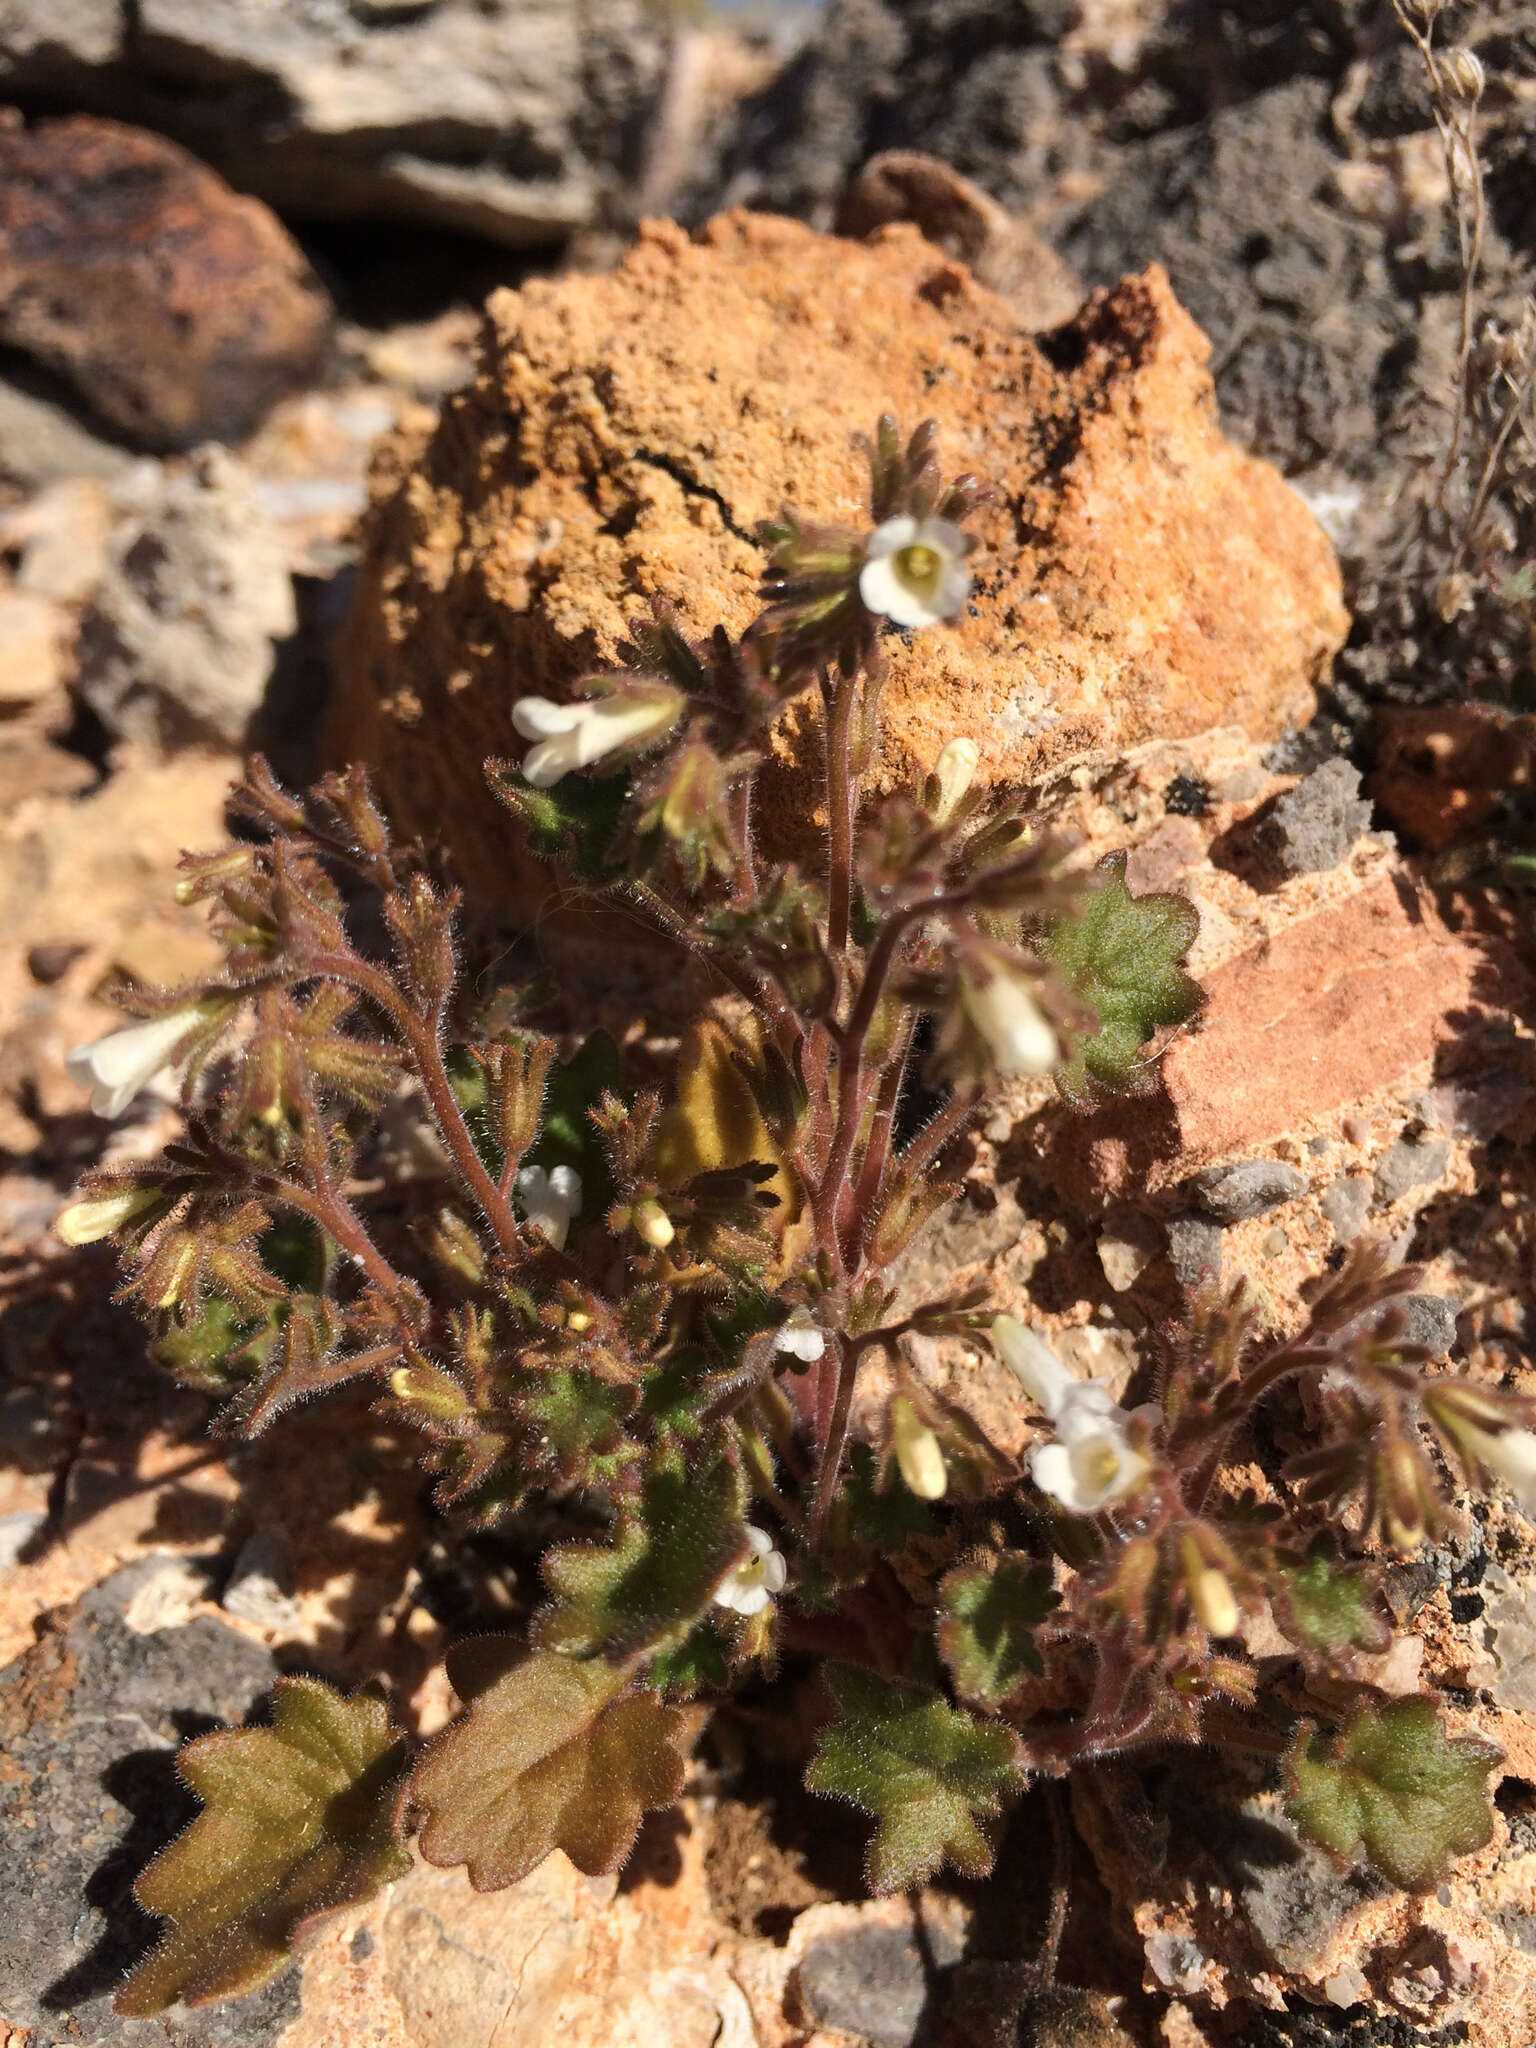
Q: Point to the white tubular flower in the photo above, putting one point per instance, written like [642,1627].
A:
[749,1587]
[94,1217]
[550,1200]
[914,571]
[653,1224]
[572,736]
[115,1068]
[1003,1009]
[1214,1602]
[1511,1456]
[919,1458]
[1091,1464]
[801,1338]
[954,771]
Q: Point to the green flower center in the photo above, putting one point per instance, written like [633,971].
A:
[920,568]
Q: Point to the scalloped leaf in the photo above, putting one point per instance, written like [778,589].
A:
[1392,1783]
[1120,955]
[647,1588]
[930,1775]
[570,1420]
[986,1627]
[1327,1610]
[553,1754]
[299,1820]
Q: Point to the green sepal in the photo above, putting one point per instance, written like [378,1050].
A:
[575,820]
[647,1588]
[1326,1610]
[220,1350]
[988,1615]
[1392,1783]
[299,1820]
[553,1754]
[1120,956]
[931,1776]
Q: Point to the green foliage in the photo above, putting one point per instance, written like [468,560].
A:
[988,1615]
[647,1588]
[1120,956]
[575,820]
[299,1820]
[1328,1610]
[567,1138]
[571,1422]
[931,1777]
[554,1754]
[883,1518]
[1393,1784]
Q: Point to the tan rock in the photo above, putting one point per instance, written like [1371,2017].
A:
[1140,577]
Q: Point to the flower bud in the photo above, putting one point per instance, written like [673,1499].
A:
[918,1456]
[1002,1009]
[94,1217]
[653,1224]
[1214,1602]
[1464,73]
[953,773]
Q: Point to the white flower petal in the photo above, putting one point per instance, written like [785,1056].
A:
[753,1600]
[550,1200]
[801,1339]
[536,718]
[115,1068]
[891,535]
[1046,1380]
[775,1572]
[96,1216]
[1017,1032]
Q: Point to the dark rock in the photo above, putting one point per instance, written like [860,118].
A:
[510,119]
[1346,1205]
[1414,1162]
[1234,1193]
[90,1719]
[177,308]
[874,1981]
[1312,827]
[1429,1319]
[1194,1250]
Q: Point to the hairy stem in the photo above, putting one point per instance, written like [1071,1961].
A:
[840,807]
[326,1205]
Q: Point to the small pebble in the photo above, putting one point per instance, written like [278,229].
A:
[1194,1250]
[1233,1193]
[1312,827]
[1410,1163]
[1346,1205]
[1123,1262]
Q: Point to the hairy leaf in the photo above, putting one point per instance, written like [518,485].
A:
[647,1588]
[554,1754]
[1392,1783]
[298,1820]
[577,818]
[930,1776]
[986,1626]
[570,1419]
[1120,955]
[1329,1610]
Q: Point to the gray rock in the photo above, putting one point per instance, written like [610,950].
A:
[1429,1320]
[1194,1250]
[1346,1205]
[92,1716]
[504,118]
[1312,827]
[1233,1193]
[178,643]
[260,1587]
[42,442]
[1413,1162]
[873,1981]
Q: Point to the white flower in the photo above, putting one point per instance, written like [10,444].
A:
[573,736]
[653,1224]
[953,772]
[1091,1464]
[550,1200]
[1511,1456]
[1004,1011]
[801,1338]
[749,1586]
[1214,1602]
[97,1216]
[919,1458]
[914,570]
[115,1068]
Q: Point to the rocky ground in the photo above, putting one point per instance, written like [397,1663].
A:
[242,258]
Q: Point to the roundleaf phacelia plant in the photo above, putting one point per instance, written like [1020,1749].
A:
[645,1324]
